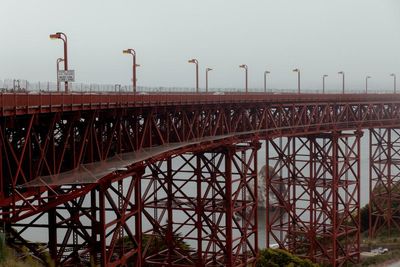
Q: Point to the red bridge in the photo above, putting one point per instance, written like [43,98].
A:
[107,178]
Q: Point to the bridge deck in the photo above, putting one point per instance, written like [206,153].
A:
[32,102]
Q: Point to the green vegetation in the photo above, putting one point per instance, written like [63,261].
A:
[159,243]
[19,256]
[364,218]
[152,244]
[278,257]
[8,257]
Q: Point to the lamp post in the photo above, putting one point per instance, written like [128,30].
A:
[63,37]
[137,66]
[342,73]
[244,66]
[298,79]
[366,84]
[394,82]
[197,72]
[265,80]
[323,83]
[134,65]
[207,70]
[59,60]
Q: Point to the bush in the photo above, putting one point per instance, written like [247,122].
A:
[3,248]
[364,218]
[278,257]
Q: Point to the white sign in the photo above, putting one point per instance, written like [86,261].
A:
[66,75]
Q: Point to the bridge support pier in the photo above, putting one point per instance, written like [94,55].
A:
[384,198]
[201,208]
[313,196]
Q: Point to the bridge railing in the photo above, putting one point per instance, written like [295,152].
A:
[21,86]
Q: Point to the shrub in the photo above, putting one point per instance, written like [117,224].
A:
[278,257]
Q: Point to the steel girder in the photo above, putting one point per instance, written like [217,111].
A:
[313,194]
[201,208]
[384,206]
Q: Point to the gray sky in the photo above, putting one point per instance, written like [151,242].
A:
[360,37]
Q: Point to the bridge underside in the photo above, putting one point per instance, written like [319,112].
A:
[195,202]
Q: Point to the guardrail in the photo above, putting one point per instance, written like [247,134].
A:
[21,86]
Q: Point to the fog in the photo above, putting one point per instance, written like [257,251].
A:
[360,37]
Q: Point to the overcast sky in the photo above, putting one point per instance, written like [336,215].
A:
[360,37]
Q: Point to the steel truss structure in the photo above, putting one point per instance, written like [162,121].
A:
[57,154]
[384,198]
[211,199]
[313,192]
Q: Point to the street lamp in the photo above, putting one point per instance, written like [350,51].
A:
[63,37]
[342,72]
[134,65]
[59,60]
[394,82]
[366,84]
[265,80]
[197,72]
[298,79]
[207,70]
[323,83]
[244,66]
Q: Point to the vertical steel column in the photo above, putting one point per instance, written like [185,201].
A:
[170,220]
[52,231]
[268,228]
[254,175]
[199,211]
[334,187]
[102,230]
[228,207]
[94,225]
[138,219]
